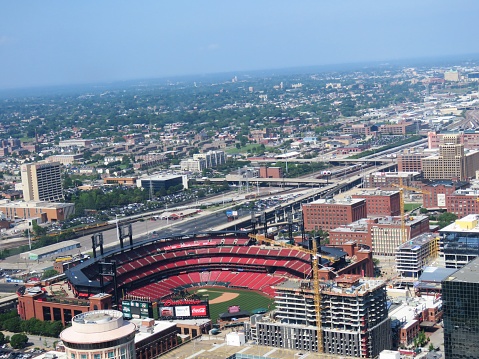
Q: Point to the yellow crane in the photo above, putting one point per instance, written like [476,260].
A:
[316,292]
[401,189]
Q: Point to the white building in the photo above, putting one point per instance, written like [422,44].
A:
[99,334]
[415,254]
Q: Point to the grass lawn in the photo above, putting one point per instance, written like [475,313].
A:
[410,206]
[247,300]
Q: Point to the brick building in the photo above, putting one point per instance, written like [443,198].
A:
[42,211]
[463,202]
[381,203]
[382,235]
[270,172]
[360,129]
[400,128]
[438,192]
[387,180]
[33,302]
[409,160]
[327,214]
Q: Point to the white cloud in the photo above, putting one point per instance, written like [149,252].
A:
[213,46]
[4,39]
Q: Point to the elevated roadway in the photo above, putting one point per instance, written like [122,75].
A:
[294,205]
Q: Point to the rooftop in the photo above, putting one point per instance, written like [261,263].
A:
[467,224]
[468,274]
[416,242]
[87,326]
[435,274]
[348,201]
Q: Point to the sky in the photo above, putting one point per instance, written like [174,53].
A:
[60,42]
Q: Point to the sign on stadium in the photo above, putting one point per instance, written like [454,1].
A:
[137,309]
[183,309]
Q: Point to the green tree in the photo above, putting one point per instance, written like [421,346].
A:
[18,341]
[2,338]
[37,230]
[431,347]
[12,324]
[446,219]
[48,273]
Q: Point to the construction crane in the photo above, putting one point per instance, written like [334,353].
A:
[314,264]
[401,188]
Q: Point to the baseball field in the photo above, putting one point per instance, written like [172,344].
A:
[221,298]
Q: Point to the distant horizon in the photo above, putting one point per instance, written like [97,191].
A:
[58,43]
[302,69]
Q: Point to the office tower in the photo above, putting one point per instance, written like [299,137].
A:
[460,294]
[42,182]
[452,163]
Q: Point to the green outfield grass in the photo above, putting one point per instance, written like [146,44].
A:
[247,300]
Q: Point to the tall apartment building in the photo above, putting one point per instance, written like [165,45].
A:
[381,203]
[383,235]
[42,182]
[328,214]
[354,318]
[212,158]
[459,242]
[461,317]
[452,162]
[415,254]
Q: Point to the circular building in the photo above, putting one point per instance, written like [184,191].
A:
[100,334]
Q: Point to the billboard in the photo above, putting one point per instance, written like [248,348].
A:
[136,309]
[183,309]
[199,311]
[234,309]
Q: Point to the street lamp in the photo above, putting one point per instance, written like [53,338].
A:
[117,227]
[29,238]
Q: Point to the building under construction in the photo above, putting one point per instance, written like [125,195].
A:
[354,318]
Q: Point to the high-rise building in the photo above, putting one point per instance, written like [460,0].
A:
[42,182]
[452,162]
[354,318]
[460,293]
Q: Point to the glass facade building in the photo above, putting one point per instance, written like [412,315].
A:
[460,295]
[459,242]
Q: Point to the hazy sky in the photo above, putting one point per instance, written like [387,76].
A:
[68,42]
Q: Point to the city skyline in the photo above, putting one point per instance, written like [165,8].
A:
[88,42]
